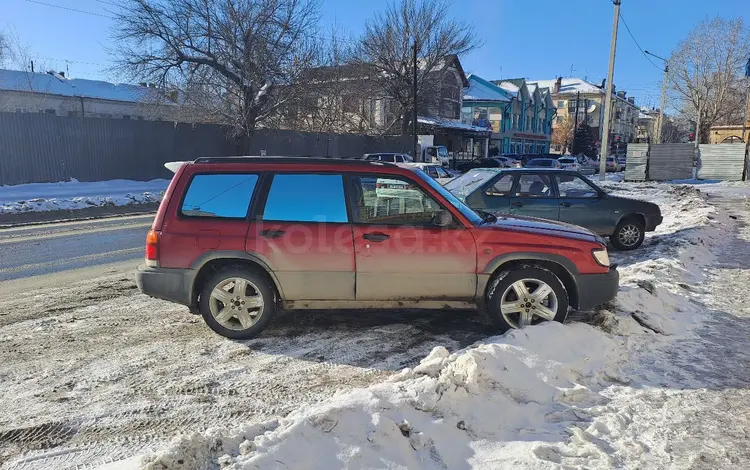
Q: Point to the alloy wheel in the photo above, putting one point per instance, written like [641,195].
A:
[629,235]
[236,303]
[526,300]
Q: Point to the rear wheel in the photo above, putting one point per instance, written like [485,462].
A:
[628,235]
[526,296]
[237,303]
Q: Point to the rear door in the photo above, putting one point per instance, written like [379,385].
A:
[534,195]
[581,204]
[400,253]
[304,235]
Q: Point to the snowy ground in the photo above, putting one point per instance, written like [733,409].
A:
[72,195]
[95,372]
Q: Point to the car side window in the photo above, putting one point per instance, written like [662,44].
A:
[501,187]
[441,173]
[306,198]
[533,186]
[399,159]
[392,201]
[430,170]
[574,186]
[388,158]
[219,195]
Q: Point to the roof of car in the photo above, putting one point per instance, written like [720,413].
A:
[536,170]
[290,160]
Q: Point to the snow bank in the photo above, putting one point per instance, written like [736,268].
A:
[71,195]
[527,399]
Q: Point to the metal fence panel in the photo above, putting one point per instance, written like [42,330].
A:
[721,161]
[39,148]
[637,160]
[671,161]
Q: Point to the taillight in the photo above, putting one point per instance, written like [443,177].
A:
[152,248]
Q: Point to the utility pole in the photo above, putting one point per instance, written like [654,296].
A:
[414,92]
[660,129]
[698,128]
[747,100]
[575,123]
[608,94]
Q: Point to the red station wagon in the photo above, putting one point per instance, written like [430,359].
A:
[238,238]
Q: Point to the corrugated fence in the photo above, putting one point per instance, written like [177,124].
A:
[671,161]
[636,163]
[724,162]
[37,148]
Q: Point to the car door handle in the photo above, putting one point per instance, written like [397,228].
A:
[376,236]
[518,204]
[272,233]
[565,204]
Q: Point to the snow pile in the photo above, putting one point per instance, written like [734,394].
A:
[72,195]
[530,398]
[488,405]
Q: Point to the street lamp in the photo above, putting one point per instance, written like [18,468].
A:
[663,95]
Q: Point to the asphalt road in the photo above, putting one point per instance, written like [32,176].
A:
[93,245]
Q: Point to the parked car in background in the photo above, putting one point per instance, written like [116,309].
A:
[621,161]
[611,164]
[389,157]
[543,163]
[569,163]
[481,162]
[434,170]
[509,162]
[561,195]
[226,243]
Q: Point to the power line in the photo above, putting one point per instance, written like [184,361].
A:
[109,3]
[636,43]
[71,61]
[71,9]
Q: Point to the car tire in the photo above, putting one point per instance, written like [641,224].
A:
[506,309]
[628,235]
[249,311]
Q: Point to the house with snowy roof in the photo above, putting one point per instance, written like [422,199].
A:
[575,94]
[54,93]
[520,116]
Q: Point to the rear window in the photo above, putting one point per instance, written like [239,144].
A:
[219,195]
[567,160]
[306,198]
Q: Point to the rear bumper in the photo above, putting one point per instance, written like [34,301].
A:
[170,284]
[597,289]
[653,221]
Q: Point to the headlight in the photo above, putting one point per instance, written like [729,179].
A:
[601,256]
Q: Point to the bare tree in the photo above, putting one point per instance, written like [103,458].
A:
[238,61]
[387,47]
[705,71]
[562,134]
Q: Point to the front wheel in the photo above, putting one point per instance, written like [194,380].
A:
[526,296]
[237,303]
[628,235]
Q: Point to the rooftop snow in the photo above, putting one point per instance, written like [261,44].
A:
[479,91]
[449,124]
[568,85]
[17,80]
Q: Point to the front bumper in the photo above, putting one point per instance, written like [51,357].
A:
[597,289]
[170,284]
[653,221]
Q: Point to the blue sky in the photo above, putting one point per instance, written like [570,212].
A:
[534,39]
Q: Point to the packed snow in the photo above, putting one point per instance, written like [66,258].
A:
[73,194]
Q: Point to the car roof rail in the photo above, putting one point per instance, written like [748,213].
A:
[281,160]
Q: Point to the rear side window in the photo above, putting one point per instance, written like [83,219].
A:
[388,158]
[219,195]
[399,159]
[306,198]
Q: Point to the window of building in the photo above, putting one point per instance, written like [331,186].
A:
[516,117]
[306,198]
[561,104]
[392,201]
[219,195]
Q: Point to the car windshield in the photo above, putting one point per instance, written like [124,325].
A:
[442,152]
[473,217]
[465,184]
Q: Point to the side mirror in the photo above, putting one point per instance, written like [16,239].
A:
[443,218]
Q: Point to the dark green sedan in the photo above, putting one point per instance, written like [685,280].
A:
[562,195]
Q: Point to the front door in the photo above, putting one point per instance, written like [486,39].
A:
[495,197]
[533,195]
[581,204]
[305,237]
[400,253]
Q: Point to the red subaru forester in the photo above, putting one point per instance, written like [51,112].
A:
[239,238]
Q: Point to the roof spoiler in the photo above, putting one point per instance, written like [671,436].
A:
[174,166]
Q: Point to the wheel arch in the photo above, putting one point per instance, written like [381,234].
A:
[207,264]
[632,215]
[560,266]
